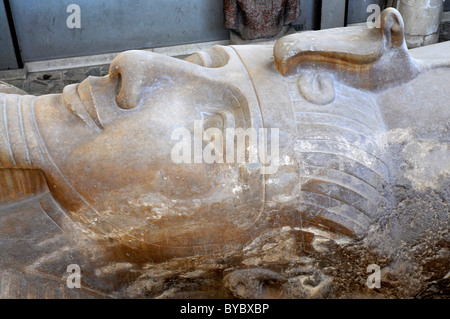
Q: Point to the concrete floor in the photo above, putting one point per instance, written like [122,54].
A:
[48,82]
[53,81]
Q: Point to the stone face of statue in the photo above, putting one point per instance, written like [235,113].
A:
[105,147]
[99,156]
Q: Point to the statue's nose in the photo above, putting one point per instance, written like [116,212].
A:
[132,70]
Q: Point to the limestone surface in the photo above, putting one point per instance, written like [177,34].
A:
[350,198]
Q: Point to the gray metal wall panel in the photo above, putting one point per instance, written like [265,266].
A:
[307,17]
[7,55]
[333,14]
[111,26]
[357,10]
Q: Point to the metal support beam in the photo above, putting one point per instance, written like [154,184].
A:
[7,54]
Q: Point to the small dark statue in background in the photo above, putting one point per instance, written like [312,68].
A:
[260,19]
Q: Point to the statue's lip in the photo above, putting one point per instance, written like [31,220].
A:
[78,99]
[86,93]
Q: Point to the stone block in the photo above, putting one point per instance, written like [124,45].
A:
[414,41]
[421,20]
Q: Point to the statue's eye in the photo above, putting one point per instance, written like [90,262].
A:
[215,57]
[212,120]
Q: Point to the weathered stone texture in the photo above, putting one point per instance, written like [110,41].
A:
[422,19]
[87,177]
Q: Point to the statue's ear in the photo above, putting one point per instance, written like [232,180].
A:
[316,87]
[393,28]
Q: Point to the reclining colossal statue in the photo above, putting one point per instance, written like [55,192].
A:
[352,170]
